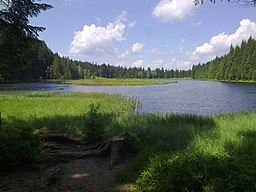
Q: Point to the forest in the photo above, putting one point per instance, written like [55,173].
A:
[238,64]
[41,63]
[24,57]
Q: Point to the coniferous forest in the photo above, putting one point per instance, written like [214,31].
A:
[41,63]
[238,64]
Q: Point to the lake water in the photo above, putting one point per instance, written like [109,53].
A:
[186,96]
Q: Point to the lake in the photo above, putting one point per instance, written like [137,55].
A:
[186,96]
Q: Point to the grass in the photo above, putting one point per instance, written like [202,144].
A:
[175,152]
[59,112]
[120,82]
[238,81]
[59,88]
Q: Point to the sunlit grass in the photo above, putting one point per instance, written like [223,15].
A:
[229,130]
[60,112]
[120,82]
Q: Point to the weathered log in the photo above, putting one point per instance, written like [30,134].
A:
[58,137]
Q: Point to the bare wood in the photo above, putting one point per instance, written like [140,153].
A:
[55,146]
[58,137]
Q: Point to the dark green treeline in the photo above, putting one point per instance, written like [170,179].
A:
[65,68]
[40,63]
[32,65]
[238,64]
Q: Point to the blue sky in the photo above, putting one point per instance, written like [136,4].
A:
[150,33]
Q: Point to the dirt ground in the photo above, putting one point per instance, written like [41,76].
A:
[90,174]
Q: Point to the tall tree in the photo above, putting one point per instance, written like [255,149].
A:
[16,34]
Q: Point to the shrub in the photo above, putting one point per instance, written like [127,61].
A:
[18,146]
[131,172]
[93,124]
[191,171]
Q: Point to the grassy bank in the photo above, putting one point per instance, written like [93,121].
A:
[192,153]
[22,113]
[59,112]
[176,152]
[120,82]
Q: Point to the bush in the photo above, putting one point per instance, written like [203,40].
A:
[131,172]
[191,171]
[93,124]
[18,146]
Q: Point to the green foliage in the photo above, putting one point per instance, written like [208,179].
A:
[59,88]
[120,82]
[19,47]
[64,113]
[217,154]
[132,170]
[66,68]
[165,132]
[18,145]
[175,152]
[239,64]
[1,78]
[94,129]
[190,171]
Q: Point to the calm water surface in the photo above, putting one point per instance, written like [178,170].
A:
[186,96]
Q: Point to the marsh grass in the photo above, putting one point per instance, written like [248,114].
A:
[187,152]
[59,112]
[120,82]
[219,157]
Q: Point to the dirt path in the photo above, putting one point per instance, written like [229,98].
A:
[89,174]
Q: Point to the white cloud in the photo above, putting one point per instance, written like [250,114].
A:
[220,44]
[173,10]
[132,24]
[98,40]
[135,49]
[172,64]
[138,63]
[155,51]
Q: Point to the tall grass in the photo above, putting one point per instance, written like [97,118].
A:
[187,152]
[120,82]
[60,112]
[219,156]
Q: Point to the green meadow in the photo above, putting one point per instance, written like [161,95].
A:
[172,152]
[120,82]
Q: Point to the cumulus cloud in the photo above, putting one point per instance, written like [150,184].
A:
[220,44]
[138,63]
[98,40]
[172,64]
[135,49]
[173,10]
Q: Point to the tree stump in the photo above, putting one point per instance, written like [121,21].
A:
[117,143]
